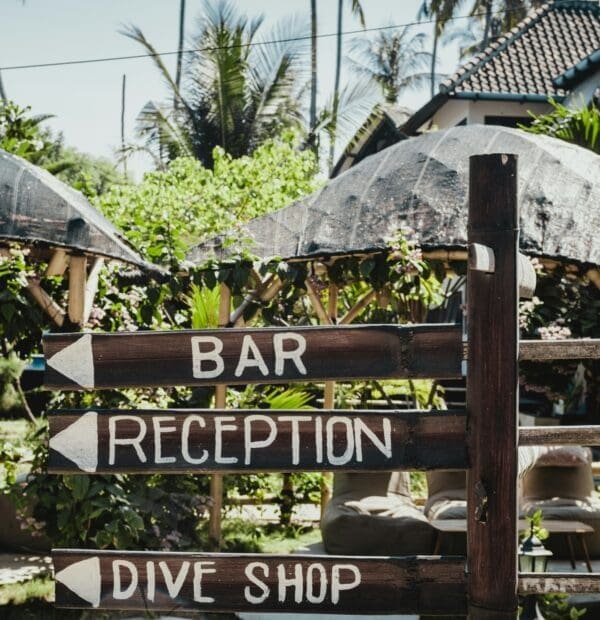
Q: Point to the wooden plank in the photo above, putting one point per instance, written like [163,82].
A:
[256,582]
[559,435]
[207,440]
[492,391]
[567,583]
[241,356]
[549,350]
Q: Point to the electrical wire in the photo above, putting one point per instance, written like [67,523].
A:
[87,61]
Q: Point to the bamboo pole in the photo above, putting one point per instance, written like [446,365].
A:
[327,317]
[329,394]
[58,263]
[358,307]
[77,283]
[263,293]
[91,286]
[317,305]
[216,480]
[43,299]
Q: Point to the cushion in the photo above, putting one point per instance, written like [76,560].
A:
[564,456]
[558,482]
[372,514]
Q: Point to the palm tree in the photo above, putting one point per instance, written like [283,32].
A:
[442,11]
[235,93]
[313,65]
[357,11]
[498,16]
[395,59]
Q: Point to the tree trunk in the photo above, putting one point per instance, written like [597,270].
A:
[2,91]
[336,86]
[488,23]
[180,46]
[434,56]
[123,154]
[313,65]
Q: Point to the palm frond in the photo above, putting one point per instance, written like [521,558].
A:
[204,306]
[289,398]
[158,128]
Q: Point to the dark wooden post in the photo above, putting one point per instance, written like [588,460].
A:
[492,392]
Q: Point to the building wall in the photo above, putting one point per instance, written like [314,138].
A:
[454,111]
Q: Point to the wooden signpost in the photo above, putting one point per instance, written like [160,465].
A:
[239,356]
[183,441]
[251,582]
[482,440]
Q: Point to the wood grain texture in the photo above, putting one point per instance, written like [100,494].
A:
[559,435]
[492,391]
[194,441]
[257,582]
[549,350]
[145,359]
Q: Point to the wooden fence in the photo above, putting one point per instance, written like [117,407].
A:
[484,439]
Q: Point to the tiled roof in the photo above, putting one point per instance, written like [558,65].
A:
[525,60]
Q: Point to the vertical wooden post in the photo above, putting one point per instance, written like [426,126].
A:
[216,480]
[329,394]
[492,390]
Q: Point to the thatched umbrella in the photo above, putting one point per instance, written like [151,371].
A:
[422,183]
[58,225]
[36,209]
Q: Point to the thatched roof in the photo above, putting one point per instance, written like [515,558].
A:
[422,183]
[38,210]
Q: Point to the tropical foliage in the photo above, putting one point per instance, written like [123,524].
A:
[175,207]
[235,92]
[23,134]
[577,125]
[394,59]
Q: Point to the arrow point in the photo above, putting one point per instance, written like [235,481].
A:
[84,579]
[79,442]
[76,362]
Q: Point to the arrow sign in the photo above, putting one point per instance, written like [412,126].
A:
[83,578]
[256,582]
[193,441]
[240,356]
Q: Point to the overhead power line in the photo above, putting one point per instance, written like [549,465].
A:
[88,61]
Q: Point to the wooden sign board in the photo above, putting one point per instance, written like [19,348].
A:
[240,356]
[194,441]
[254,582]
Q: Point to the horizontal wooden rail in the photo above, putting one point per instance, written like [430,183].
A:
[568,583]
[201,440]
[241,356]
[258,582]
[549,350]
[557,435]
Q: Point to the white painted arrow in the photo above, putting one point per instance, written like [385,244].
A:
[84,579]
[76,362]
[79,442]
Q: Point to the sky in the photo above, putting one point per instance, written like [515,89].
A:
[86,99]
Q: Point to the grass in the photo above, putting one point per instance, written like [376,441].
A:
[37,589]
[282,542]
